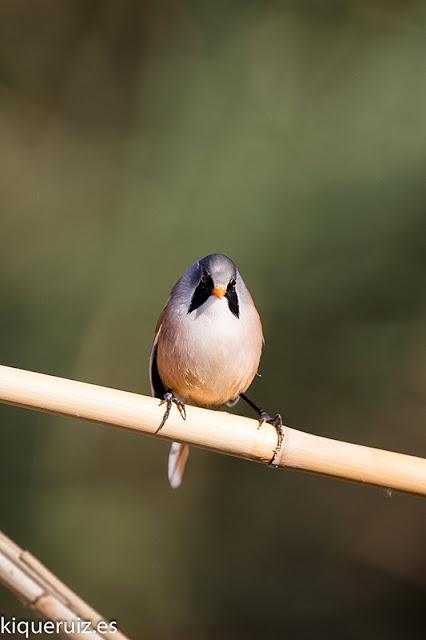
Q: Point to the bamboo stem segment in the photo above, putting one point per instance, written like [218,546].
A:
[215,430]
[40,590]
[353,462]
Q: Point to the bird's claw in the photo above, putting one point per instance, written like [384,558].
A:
[169,399]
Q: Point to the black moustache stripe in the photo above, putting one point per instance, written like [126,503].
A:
[231,296]
[201,294]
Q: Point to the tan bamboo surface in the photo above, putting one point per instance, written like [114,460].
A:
[215,430]
[43,592]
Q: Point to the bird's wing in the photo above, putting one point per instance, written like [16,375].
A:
[157,387]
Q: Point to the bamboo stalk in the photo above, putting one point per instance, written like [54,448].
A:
[43,592]
[215,430]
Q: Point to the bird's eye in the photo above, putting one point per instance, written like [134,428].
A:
[204,278]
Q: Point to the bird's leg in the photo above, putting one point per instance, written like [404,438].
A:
[264,416]
[169,399]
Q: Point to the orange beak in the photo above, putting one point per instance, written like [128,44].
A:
[219,291]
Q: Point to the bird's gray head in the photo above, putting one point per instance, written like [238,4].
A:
[221,268]
[215,275]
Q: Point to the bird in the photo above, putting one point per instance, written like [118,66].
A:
[207,347]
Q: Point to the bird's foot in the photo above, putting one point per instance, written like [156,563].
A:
[169,399]
[276,422]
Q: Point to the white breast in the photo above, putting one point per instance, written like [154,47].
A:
[209,356]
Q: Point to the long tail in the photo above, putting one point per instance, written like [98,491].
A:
[177,460]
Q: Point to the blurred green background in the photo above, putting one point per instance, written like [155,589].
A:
[137,137]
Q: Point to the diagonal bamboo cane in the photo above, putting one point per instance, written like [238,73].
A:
[215,430]
[40,590]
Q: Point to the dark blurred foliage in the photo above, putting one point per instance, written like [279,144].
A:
[136,137]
